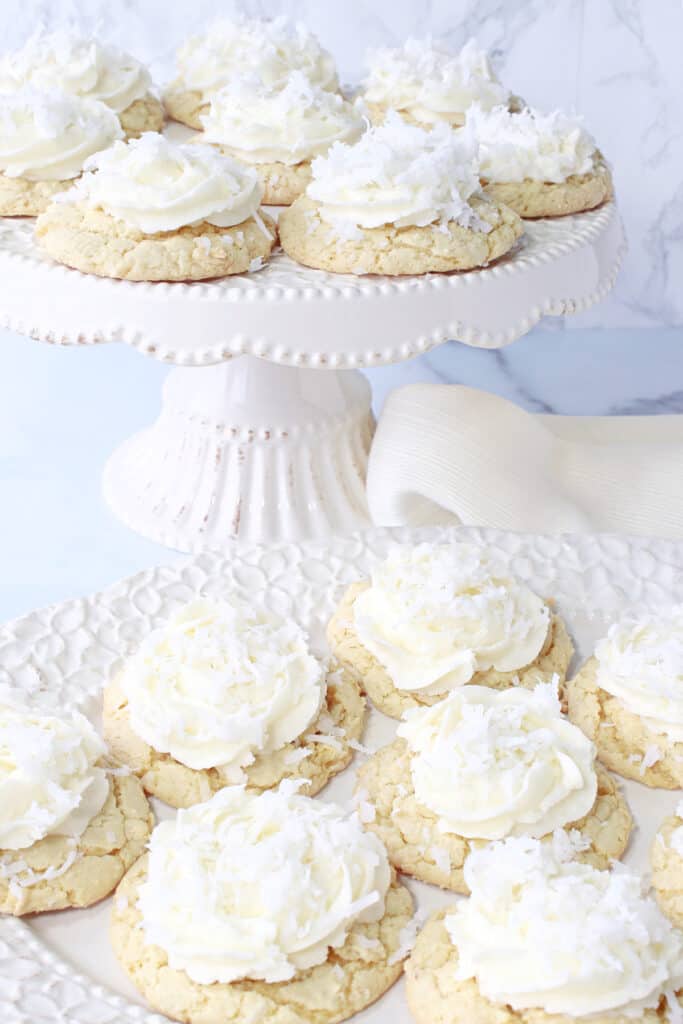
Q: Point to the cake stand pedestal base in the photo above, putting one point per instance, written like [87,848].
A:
[247,449]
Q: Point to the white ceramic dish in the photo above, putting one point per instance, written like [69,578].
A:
[59,967]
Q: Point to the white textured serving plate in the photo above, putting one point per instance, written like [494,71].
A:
[59,967]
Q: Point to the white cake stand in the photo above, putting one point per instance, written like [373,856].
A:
[253,439]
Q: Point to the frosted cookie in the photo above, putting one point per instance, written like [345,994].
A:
[426,84]
[278,129]
[541,165]
[481,765]
[270,49]
[546,940]
[153,210]
[227,692]
[666,858]
[65,62]
[399,201]
[271,908]
[436,617]
[628,699]
[68,829]
[45,140]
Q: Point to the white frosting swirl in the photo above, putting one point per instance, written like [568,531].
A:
[544,932]
[270,48]
[49,780]
[157,185]
[259,887]
[284,124]
[640,662]
[431,84]
[398,174]
[529,145]
[221,682]
[78,66]
[436,614]
[50,137]
[494,763]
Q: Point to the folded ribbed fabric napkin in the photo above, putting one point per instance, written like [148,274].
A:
[446,452]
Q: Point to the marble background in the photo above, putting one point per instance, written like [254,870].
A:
[616,61]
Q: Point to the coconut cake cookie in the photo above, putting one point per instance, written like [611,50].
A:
[268,48]
[227,693]
[540,165]
[66,62]
[436,617]
[69,829]
[399,201]
[546,940]
[666,863]
[426,84]
[153,210]
[481,765]
[628,699]
[273,908]
[45,140]
[278,129]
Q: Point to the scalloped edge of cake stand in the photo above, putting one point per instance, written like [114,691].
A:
[295,316]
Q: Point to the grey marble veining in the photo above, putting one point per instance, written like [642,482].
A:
[589,372]
[616,61]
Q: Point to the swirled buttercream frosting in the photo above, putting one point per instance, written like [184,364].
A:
[431,84]
[541,931]
[221,682]
[640,662]
[73,64]
[49,137]
[270,48]
[286,124]
[493,763]
[50,780]
[156,185]
[434,615]
[259,887]
[398,174]
[528,145]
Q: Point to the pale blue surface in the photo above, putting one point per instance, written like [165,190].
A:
[63,410]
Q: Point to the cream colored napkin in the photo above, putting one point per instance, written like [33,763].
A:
[446,452]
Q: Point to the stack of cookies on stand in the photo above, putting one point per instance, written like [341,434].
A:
[431,166]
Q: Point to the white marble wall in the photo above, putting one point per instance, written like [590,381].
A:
[616,61]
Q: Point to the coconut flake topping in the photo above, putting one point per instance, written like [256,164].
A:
[270,48]
[431,84]
[260,887]
[221,682]
[401,175]
[435,615]
[528,145]
[157,185]
[288,123]
[50,780]
[640,662]
[495,763]
[76,65]
[49,137]
[541,931]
